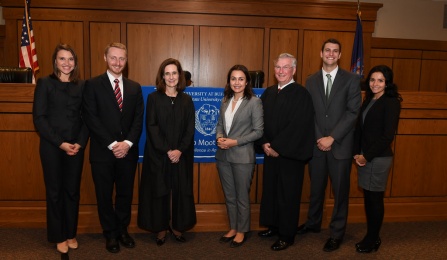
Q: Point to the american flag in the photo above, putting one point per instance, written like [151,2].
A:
[28,56]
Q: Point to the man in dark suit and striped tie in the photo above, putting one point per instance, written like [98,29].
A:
[113,111]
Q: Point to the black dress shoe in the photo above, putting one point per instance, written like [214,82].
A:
[160,241]
[267,233]
[332,244]
[303,229]
[368,247]
[280,245]
[112,245]
[126,240]
[238,244]
[179,238]
[225,239]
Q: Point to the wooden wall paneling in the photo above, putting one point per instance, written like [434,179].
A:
[149,45]
[223,47]
[433,76]
[16,122]
[422,126]
[87,190]
[282,41]
[196,59]
[48,34]
[210,188]
[287,8]
[380,61]
[15,107]
[267,62]
[416,173]
[2,44]
[423,113]
[313,41]
[407,73]
[396,53]
[367,38]
[86,47]
[22,177]
[101,34]
[11,45]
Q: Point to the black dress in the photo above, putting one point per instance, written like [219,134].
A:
[169,126]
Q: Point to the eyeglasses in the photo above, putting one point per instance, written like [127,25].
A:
[283,68]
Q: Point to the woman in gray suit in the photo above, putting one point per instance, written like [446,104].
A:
[240,124]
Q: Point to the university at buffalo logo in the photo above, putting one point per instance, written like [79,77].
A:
[206,119]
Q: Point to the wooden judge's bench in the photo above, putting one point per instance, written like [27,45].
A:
[416,191]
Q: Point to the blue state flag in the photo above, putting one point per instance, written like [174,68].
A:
[357,49]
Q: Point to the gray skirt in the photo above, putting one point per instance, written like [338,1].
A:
[374,175]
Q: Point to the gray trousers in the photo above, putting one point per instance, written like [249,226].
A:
[236,180]
[320,169]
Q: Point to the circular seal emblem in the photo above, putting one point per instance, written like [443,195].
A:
[206,119]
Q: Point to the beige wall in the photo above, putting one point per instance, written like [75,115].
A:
[409,19]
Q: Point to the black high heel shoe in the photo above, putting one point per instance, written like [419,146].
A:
[160,241]
[368,248]
[179,238]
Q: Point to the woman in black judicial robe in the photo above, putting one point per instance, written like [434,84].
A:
[166,201]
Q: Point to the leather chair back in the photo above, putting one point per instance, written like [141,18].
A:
[16,75]
[257,78]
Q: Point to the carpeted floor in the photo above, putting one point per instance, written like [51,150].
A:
[411,240]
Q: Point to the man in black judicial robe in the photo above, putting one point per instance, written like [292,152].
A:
[287,143]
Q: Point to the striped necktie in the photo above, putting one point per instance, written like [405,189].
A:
[119,98]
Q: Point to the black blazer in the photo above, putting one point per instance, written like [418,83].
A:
[375,134]
[57,111]
[106,122]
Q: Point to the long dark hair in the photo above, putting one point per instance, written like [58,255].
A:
[228,92]
[390,87]
[74,74]
[160,82]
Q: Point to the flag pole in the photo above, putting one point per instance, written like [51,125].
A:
[27,22]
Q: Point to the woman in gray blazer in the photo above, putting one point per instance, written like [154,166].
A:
[376,127]
[240,124]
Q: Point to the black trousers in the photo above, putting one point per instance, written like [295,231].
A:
[281,196]
[62,176]
[114,213]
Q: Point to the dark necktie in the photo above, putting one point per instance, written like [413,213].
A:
[119,98]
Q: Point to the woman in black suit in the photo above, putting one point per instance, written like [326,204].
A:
[376,127]
[63,136]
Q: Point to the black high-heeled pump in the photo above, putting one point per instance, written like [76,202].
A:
[179,238]
[160,241]
[368,248]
